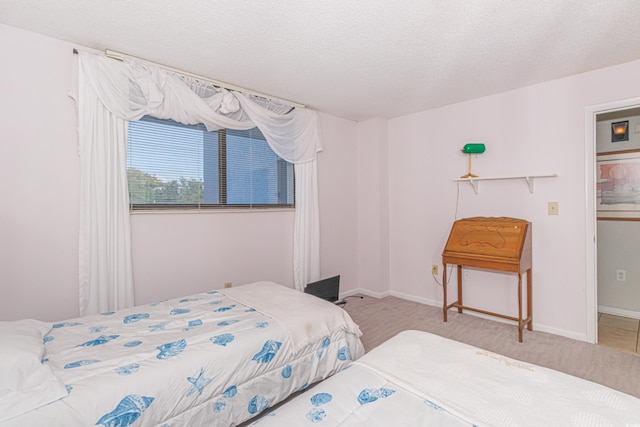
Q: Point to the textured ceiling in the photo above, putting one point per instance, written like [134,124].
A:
[353,59]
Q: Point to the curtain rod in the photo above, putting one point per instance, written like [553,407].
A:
[121,56]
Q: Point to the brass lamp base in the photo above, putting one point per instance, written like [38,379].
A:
[469,174]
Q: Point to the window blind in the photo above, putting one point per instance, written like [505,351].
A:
[175,166]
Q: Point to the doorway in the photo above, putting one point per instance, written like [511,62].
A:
[607,259]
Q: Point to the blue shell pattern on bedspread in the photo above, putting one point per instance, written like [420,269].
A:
[171,349]
[126,342]
[102,339]
[268,352]
[127,412]
[198,383]
[136,331]
[369,395]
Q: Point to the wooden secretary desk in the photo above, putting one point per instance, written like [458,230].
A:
[501,244]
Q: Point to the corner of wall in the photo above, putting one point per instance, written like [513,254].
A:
[373,205]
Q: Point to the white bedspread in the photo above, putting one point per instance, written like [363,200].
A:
[296,311]
[420,379]
[207,359]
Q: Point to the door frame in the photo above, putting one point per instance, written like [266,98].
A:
[591,244]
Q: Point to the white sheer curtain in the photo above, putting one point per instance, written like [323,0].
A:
[306,232]
[106,276]
[112,92]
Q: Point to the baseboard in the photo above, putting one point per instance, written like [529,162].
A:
[562,332]
[371,294]
[435,303]
[408,297]
[619,312]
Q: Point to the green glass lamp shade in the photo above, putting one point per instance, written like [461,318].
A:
[473,148]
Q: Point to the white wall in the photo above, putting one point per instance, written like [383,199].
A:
[338,201]
[532,130]
[373,207]
[173,254]
[182,254]
[618,249]
[39,184]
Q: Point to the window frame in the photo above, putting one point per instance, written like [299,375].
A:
[222,184]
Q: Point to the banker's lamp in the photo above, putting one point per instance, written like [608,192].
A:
[469,149]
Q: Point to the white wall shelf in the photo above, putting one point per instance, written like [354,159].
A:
[528,178]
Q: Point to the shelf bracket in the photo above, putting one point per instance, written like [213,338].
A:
[530,182]
[474,184]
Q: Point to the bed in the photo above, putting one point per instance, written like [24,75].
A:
[419,379]
[216,359]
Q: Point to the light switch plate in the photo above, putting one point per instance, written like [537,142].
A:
[553,208]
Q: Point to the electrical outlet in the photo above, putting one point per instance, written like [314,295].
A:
[621,275]
[228,284]
[465,274]
[434,270]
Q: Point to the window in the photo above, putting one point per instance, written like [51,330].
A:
[176,166]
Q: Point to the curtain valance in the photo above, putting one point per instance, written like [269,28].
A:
[131,89]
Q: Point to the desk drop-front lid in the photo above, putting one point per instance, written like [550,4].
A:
[494,243]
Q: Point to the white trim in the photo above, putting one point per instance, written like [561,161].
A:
[178,211]
[591,265]
[619,312]
[591,245]
[562,332]
[421,300]
[368,293]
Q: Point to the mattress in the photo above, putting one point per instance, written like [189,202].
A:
[210,359]
[420,379]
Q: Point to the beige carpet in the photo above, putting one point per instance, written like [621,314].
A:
[380,319]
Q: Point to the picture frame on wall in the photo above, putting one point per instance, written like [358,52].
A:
[618,186]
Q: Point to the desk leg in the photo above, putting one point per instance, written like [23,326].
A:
[519,307]
[529,298]
[459,289]
[444,290]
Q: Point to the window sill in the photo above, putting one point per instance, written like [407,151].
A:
[207,211]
